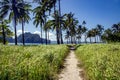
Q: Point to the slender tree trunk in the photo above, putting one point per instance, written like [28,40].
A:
[46,36]
[61,39]
[41,35]
[15,29]
[57,36]
[23,32]
[3,32]
[95,39]
[57,30]
[90,40]
[67,40]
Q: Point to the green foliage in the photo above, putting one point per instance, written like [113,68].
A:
[101,61]
[31,62]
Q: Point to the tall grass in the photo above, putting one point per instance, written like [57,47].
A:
[100,61]
[31,62]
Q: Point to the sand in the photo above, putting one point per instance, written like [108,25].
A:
[71,70]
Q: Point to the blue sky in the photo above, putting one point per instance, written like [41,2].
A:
[104,12]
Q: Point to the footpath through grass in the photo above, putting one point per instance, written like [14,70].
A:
[31,62]
[100,61]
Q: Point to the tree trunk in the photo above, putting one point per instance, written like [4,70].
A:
[57,36]
[61,39]
[41,36]
[46,36]
[15,29]
[90,40]
[3,32]
[57,30]
[95,39]
[23,32]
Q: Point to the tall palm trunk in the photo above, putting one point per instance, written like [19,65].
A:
[23,38]
[57,36]
[41,36]
[61,39]
[57,30]
[3,33]
[90,40]
[48,37]
[95,39]
[15,29]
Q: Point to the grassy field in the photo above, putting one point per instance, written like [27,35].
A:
[100,61]
[31,62]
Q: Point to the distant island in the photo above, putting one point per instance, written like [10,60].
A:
[29,38]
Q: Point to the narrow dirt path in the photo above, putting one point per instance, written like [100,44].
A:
[71,70]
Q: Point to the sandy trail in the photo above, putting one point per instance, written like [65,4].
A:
[71,70]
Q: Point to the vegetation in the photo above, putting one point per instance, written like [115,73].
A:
[100,61]
[31,62]
[112,34]
[5,31]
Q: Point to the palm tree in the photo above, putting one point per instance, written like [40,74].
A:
[39,18]
[79,33]
[94,33]
[11,7]
[61,39]
[54,24]
[89,35]
[116,28]
[5,30]
[70,25]
[100,29]
[40,12]
[84,29]
[24,17]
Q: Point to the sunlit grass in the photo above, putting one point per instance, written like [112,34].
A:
[100,61]
[31,62]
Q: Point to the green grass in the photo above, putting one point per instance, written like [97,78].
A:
[31,62]
[100,61]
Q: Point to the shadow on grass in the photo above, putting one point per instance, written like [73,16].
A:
[73,46]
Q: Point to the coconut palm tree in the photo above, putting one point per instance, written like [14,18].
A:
[24,17]
[40,12]
[54,24]
[70,25]
[11,7]
[4,27]
[116,28]
[79,33]
[100,29]
[84,29]
[89,35]
[59,3]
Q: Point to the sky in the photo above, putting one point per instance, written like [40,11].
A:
[104,12]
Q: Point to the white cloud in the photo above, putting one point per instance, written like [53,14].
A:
[37,32]
[52,36]
[20,32]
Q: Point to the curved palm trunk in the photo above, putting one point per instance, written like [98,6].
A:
[3,33]
[23,38]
